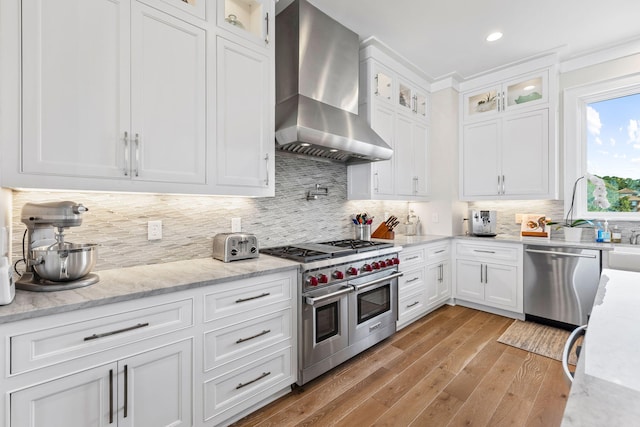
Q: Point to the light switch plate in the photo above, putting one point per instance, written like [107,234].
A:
[236,225]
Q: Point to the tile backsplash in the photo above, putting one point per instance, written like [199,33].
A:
[118,221]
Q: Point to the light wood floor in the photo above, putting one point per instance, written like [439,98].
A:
[447,369]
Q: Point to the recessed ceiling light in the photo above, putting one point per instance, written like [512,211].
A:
[494,36]
[530,87]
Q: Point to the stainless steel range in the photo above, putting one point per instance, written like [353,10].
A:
[349,298]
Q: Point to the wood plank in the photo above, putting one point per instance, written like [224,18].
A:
[551,399]
[365,414]
[439,412]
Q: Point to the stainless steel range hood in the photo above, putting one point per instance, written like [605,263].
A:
[317,89]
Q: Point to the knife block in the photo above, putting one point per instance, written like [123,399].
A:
[383,232]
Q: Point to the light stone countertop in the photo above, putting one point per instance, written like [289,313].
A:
[606,387]
[130,283]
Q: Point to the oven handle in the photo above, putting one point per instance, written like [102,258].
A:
[375,282]
[316,300]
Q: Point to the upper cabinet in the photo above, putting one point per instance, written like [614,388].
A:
[136,95]
[508,143]
[252,20]
[394,100]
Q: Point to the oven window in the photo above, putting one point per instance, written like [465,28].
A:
[327,323]
[373,303]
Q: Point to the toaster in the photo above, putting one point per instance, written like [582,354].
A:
[235,246]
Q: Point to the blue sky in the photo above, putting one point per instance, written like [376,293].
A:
[613,137]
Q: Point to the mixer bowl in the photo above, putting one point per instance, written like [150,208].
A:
[64,263]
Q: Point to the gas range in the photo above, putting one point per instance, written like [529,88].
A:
[327,263]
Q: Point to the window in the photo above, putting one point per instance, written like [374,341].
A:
[602,137]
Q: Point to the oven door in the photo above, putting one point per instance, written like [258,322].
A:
[373,307]
[325,328]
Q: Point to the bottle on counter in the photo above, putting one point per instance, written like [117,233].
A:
[606,235]
[616,235]
[599,232]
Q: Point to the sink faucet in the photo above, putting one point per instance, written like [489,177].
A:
[633,239]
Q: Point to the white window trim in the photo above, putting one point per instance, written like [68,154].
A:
[575,141]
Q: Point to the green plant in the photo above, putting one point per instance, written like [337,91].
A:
[575,223]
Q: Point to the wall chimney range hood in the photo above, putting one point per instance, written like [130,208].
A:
[317,62]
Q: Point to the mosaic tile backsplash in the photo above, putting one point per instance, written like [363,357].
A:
[118,222]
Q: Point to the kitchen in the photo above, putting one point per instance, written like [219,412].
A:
[118,221]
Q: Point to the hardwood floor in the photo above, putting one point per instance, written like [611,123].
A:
[447,369]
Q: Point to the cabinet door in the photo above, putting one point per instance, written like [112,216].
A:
[403,152]
[168,98]
[481,104]
[75,87]
[526,91]
[438,282]
[383,123]
[420,143]
[444,284]
[481,159]
[383,85]
[84,399]
[245,145]
[469,280]
[501,283]
[155,387]
[525,153]
[252,20]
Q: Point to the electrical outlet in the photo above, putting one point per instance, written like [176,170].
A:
[434,217]
[518,218]
[154,230]
[236,225]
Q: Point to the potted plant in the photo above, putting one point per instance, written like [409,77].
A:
[572,229]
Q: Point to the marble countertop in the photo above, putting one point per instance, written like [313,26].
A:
[606,387]
[542,242]
[138,282]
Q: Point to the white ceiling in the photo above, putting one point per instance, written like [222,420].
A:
[447,37]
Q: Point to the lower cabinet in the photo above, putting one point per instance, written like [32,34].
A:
[490,274]
[426,281]
[149,389]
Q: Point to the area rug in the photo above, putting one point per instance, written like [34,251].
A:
[540,339]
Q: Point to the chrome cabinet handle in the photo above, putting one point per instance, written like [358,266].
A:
[266,39]
[118,331]
[580,330]
[486,277]
[264,374]
[259,334]
[266,159]
[412,280]
[126,390]
[137,142]
[481,281]
[484,252]
[252,298]
[503,186]
[413,304]
[377,182]
[567,254]
[440,251]
[498,184]
[110,396]
[127,164]
[413,257]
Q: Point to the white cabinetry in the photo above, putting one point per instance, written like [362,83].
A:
[138,95]
[490,274]
[249,344]
[397,109]
[125,364]
[425,284]
[508,138]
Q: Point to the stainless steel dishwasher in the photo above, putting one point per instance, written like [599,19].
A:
[560,283]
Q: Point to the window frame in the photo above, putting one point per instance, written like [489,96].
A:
[576,100]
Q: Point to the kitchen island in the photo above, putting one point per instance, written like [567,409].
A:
[606,387]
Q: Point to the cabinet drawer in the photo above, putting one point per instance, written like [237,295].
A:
[410,280]
[411,304]
[438,252]
[251,382]
[88,335]
[488,251]
[411,257]
[238,340]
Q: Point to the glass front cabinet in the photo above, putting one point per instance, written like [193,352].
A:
[412,100]
[523,92]
[250,19]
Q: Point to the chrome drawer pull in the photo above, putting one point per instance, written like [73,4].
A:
[484,252]
[440,251]
[241,340]
[266,294]
[374,327]
[414,304]
[413,257]
[412,280]
[119,331]
[264,374]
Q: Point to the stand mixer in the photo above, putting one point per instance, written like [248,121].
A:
[52,263]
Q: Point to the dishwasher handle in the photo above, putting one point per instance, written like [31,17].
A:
[577,333]
[567,254]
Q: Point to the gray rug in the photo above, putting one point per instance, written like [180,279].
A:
[539,339]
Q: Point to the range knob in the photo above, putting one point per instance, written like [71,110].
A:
[254,249]
[375,265]
[312,281]
[352,271]
[323,278]
[396,261]
[388,262]
[339,275]
[367,267]
[234,252]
